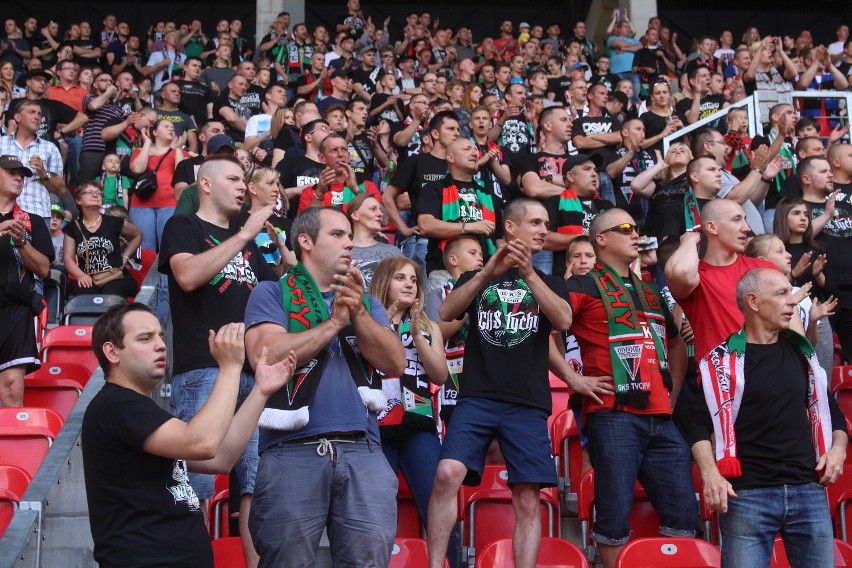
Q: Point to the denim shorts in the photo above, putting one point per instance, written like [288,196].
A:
[303,488]
[190,391]
[521,432]
[799,512]
[624,447]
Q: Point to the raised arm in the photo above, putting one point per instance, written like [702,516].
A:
[682,268]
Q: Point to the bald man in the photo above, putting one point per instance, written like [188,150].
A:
[705,287]
[780,436]
[458,205]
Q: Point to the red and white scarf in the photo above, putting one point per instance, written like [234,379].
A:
[723,380]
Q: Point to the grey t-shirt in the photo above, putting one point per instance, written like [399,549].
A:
[369,257]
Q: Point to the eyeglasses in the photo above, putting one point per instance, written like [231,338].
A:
[91,192]
[321,127]
[624,229]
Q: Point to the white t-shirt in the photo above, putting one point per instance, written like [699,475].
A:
[163,76]
[258,125]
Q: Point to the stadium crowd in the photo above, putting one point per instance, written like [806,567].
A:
[439,216]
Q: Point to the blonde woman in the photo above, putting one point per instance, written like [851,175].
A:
[263,188]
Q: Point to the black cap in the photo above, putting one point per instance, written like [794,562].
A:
[218,142]
[618,96]
[573,161]
[340,73]
[22,80]
[10,162]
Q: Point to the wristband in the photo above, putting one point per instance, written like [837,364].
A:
[758,170]
[763,179]
[463,224]
[21,244]
[316,195]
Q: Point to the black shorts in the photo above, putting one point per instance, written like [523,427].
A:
[17,338]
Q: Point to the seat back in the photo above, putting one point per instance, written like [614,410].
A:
[565,439]
[148,256]
[218,513]
[409,552]
[841,378]
[491,501]
[85,309]
[26,435]
[667,552]
[13,483]
[553,553]
[839,496]
[408,522]
[55,291]
[69,344]
[228,553]
[73,372]
[59,395]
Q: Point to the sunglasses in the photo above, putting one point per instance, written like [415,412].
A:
[624,229]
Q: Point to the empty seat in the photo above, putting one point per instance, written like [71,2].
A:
[839,495]
[565,439]
[553,553]
[59,395]
[228,553]
[148,256]
[55,292]
[667,552]
[69,344]
[65,371]
[26,435]
[13,483]
[491,501]
[85,309]
[408,518]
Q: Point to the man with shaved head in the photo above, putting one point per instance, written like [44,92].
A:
[458,205]
[779,435]
[704,287]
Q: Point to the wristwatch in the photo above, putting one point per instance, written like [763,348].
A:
[548,178]
[47,176]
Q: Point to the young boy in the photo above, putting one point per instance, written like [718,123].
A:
[115,185]
[57,219]
[462,254]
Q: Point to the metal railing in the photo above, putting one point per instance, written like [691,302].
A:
[51,526]
[755,127]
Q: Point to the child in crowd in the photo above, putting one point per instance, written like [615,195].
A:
[115,185]
[57,220]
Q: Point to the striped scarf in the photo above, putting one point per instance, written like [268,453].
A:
[452,212]
[723,381]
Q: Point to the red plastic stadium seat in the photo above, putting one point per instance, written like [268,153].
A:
[13,483]
[553,553]
[491,501]
[228,553]
[566,447]
[148,257]
[65,371]
[559,395]
[841,378]
[69,344]
[839,496]
[664,552]
[59,395]
[26,435]
[410,553]
[218,514]
[842,554]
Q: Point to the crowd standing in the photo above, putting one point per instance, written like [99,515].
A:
[521,181]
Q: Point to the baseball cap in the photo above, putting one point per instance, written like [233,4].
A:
[523,25]
[579,65]
[22,80]
[10,162]
[367,49]
[618,96]
[218,142]
[339,73]
[573,161]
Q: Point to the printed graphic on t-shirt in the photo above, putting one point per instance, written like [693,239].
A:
[99,250]
[508,313]
[237,270]
[182,491]
[841,224]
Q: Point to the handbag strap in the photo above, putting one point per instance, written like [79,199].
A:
[160,163]
[85,246]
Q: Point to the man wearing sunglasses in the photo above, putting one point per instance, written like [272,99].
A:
[629,334]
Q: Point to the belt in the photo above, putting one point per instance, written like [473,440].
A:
[332,437]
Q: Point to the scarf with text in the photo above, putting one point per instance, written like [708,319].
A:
[454,351]
[723,381]
[637,344]
[338,195]
[691,212]
[789,167]
[452,211]
[409,398]
[19,214]
[305,306]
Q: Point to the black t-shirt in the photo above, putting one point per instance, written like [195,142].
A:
[415,173]
[289,137]
[516,139]
[506,350]
[298,171]
[187,170]
[361,157]
[790,187]
[772,427]
[608,79]
[431,203]
[413,146]
[574,220]
[251,100]
[39,238]
[194,98]
[559,86]
[591,125]
[388,113]
[367,78]
[654,125]
[103,244]
[666,215]
[142,510]
[241,110]
[835,236]
[52,113]
[710,104]
[624,196]
[221,300]
[90,43]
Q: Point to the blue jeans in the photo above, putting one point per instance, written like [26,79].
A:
[543,260]
[414,247]
[416,454]
[799,512]
[75,144]
[624,447]
[151,222]
[768,220]
[302,488]
[190,391]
